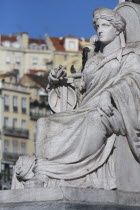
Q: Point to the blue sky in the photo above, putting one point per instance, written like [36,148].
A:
[53,17]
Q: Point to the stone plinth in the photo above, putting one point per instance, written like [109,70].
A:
[61,198]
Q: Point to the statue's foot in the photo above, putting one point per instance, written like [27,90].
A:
[34,183]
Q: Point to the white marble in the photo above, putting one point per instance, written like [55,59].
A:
[78,148]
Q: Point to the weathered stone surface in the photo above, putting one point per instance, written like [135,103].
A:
[127,168]
[97,144]
[131,13]
[60,198]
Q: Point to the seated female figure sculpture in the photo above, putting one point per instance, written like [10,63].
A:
[77,146]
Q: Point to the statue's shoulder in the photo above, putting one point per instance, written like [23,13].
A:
[133,49]
[131,54]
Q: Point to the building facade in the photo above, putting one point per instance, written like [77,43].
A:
[24,66]
[20,52]
[21,104]
[15,133]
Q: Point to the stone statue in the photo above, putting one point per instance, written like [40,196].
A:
[77,148]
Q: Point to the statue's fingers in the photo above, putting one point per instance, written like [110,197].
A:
[100,111]
[64,74]
[53,78]
[107,110]
[53,72]
[110,107]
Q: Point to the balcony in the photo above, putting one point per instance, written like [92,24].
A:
[10,156]
[16,132]
[15,109]
[23,110]
[36,116]
[6,108]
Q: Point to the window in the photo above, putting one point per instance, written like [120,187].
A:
[6,146]
[65,57]
[71,45]
[40,111]
[48,111]
[23,148]
[8,59]
[15,103]
[43,47]
[32,110]
[36,92]
[35,61]
[23,105]
[49,65]
[16,45]
[14,123]
[17,60]
[6,102]
[33,46]
[6,44]
[6,122]
[15,146]
[23,124]
[12,79]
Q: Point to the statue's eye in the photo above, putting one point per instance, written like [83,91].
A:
[106,25]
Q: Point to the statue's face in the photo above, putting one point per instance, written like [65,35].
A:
[106,31]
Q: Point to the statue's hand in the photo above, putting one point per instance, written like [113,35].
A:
[105,103]
[52,77]
[57,74]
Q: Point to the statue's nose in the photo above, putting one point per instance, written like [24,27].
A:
[100,32]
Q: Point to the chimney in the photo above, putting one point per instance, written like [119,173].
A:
[25,40]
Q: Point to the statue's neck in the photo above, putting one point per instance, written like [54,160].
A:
[111,47]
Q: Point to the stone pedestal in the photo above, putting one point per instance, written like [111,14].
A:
[61,198]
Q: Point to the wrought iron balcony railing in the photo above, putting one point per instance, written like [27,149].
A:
[11,156]
[16,132]
[6,108]
[36,116]
[15,109]
[23,110]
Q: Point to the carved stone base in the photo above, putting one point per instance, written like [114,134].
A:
[61,198]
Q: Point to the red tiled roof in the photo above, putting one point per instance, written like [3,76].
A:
[58,43]
[80,47]
[33,71]
[41,80]
[85,40]
[4,74]
[37,41]
[8,38]
[71,36]
[9,73]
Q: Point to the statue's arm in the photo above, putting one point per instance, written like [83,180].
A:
[55,76]
[105,104]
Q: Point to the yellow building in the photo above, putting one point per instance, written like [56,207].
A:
[20,52]
[24,66]
[21,104]
[36,81]
[23,53]
[14,127]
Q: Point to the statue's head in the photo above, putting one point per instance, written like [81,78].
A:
[108,24]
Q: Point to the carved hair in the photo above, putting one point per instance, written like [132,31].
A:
[112,16]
